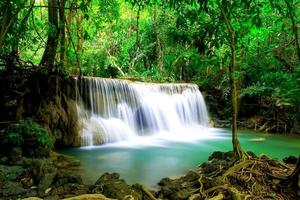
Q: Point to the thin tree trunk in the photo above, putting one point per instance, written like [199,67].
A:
[158,49]
[79,39]
[138,30]
[62,31]
[9,18]
[234,104]
[48,58]
[68,27]
[294,28]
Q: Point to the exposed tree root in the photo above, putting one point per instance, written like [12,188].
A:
[225,177]
[235,195]
[251,178]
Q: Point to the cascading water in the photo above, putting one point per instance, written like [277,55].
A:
[112,110]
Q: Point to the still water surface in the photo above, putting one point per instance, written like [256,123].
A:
[149,159]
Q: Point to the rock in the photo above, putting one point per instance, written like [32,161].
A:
[11,172]
[88,197]
[48,190]
[108,177]
[44,172]
[180,188]
[67,177]
[32,198]
[3,160]
[216,155]
[164,181]
[27,182]
[69,190]
[175,191]
[191,176]
[251,154]
[195,197]
[46,181]
[260,139]
[290,160]
[128,197]
[113,187]
[15,154]
[63,161]
[12,189]
[2,179]
[217,159]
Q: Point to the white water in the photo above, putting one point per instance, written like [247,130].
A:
[112,110]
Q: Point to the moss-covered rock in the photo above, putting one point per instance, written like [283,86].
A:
[112,186]
[11,173]
[180,188]
[12,189]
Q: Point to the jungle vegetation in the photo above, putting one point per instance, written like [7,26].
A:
[243,54]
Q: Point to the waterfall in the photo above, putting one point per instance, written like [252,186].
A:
[113,110]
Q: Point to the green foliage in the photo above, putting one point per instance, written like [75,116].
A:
[29,136]
[194,42]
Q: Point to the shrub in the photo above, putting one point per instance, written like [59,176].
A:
[29,136]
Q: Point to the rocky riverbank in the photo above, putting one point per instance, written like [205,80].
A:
[222,177]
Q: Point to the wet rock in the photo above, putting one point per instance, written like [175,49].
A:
[113,187]
[63,161]
[191,176]
[218,155]
[164,181]
[68,190]
[290,160]
[173,191]
[180,188]
[218,160]
[251,154]
[67,177]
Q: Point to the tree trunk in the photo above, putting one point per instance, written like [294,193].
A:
[62,30]
[294,27]
[48,58]
[6,22]
[80,40]
[8,19]
[234,103]
[235,142]
[158,49]
[69,17]
[138,30]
